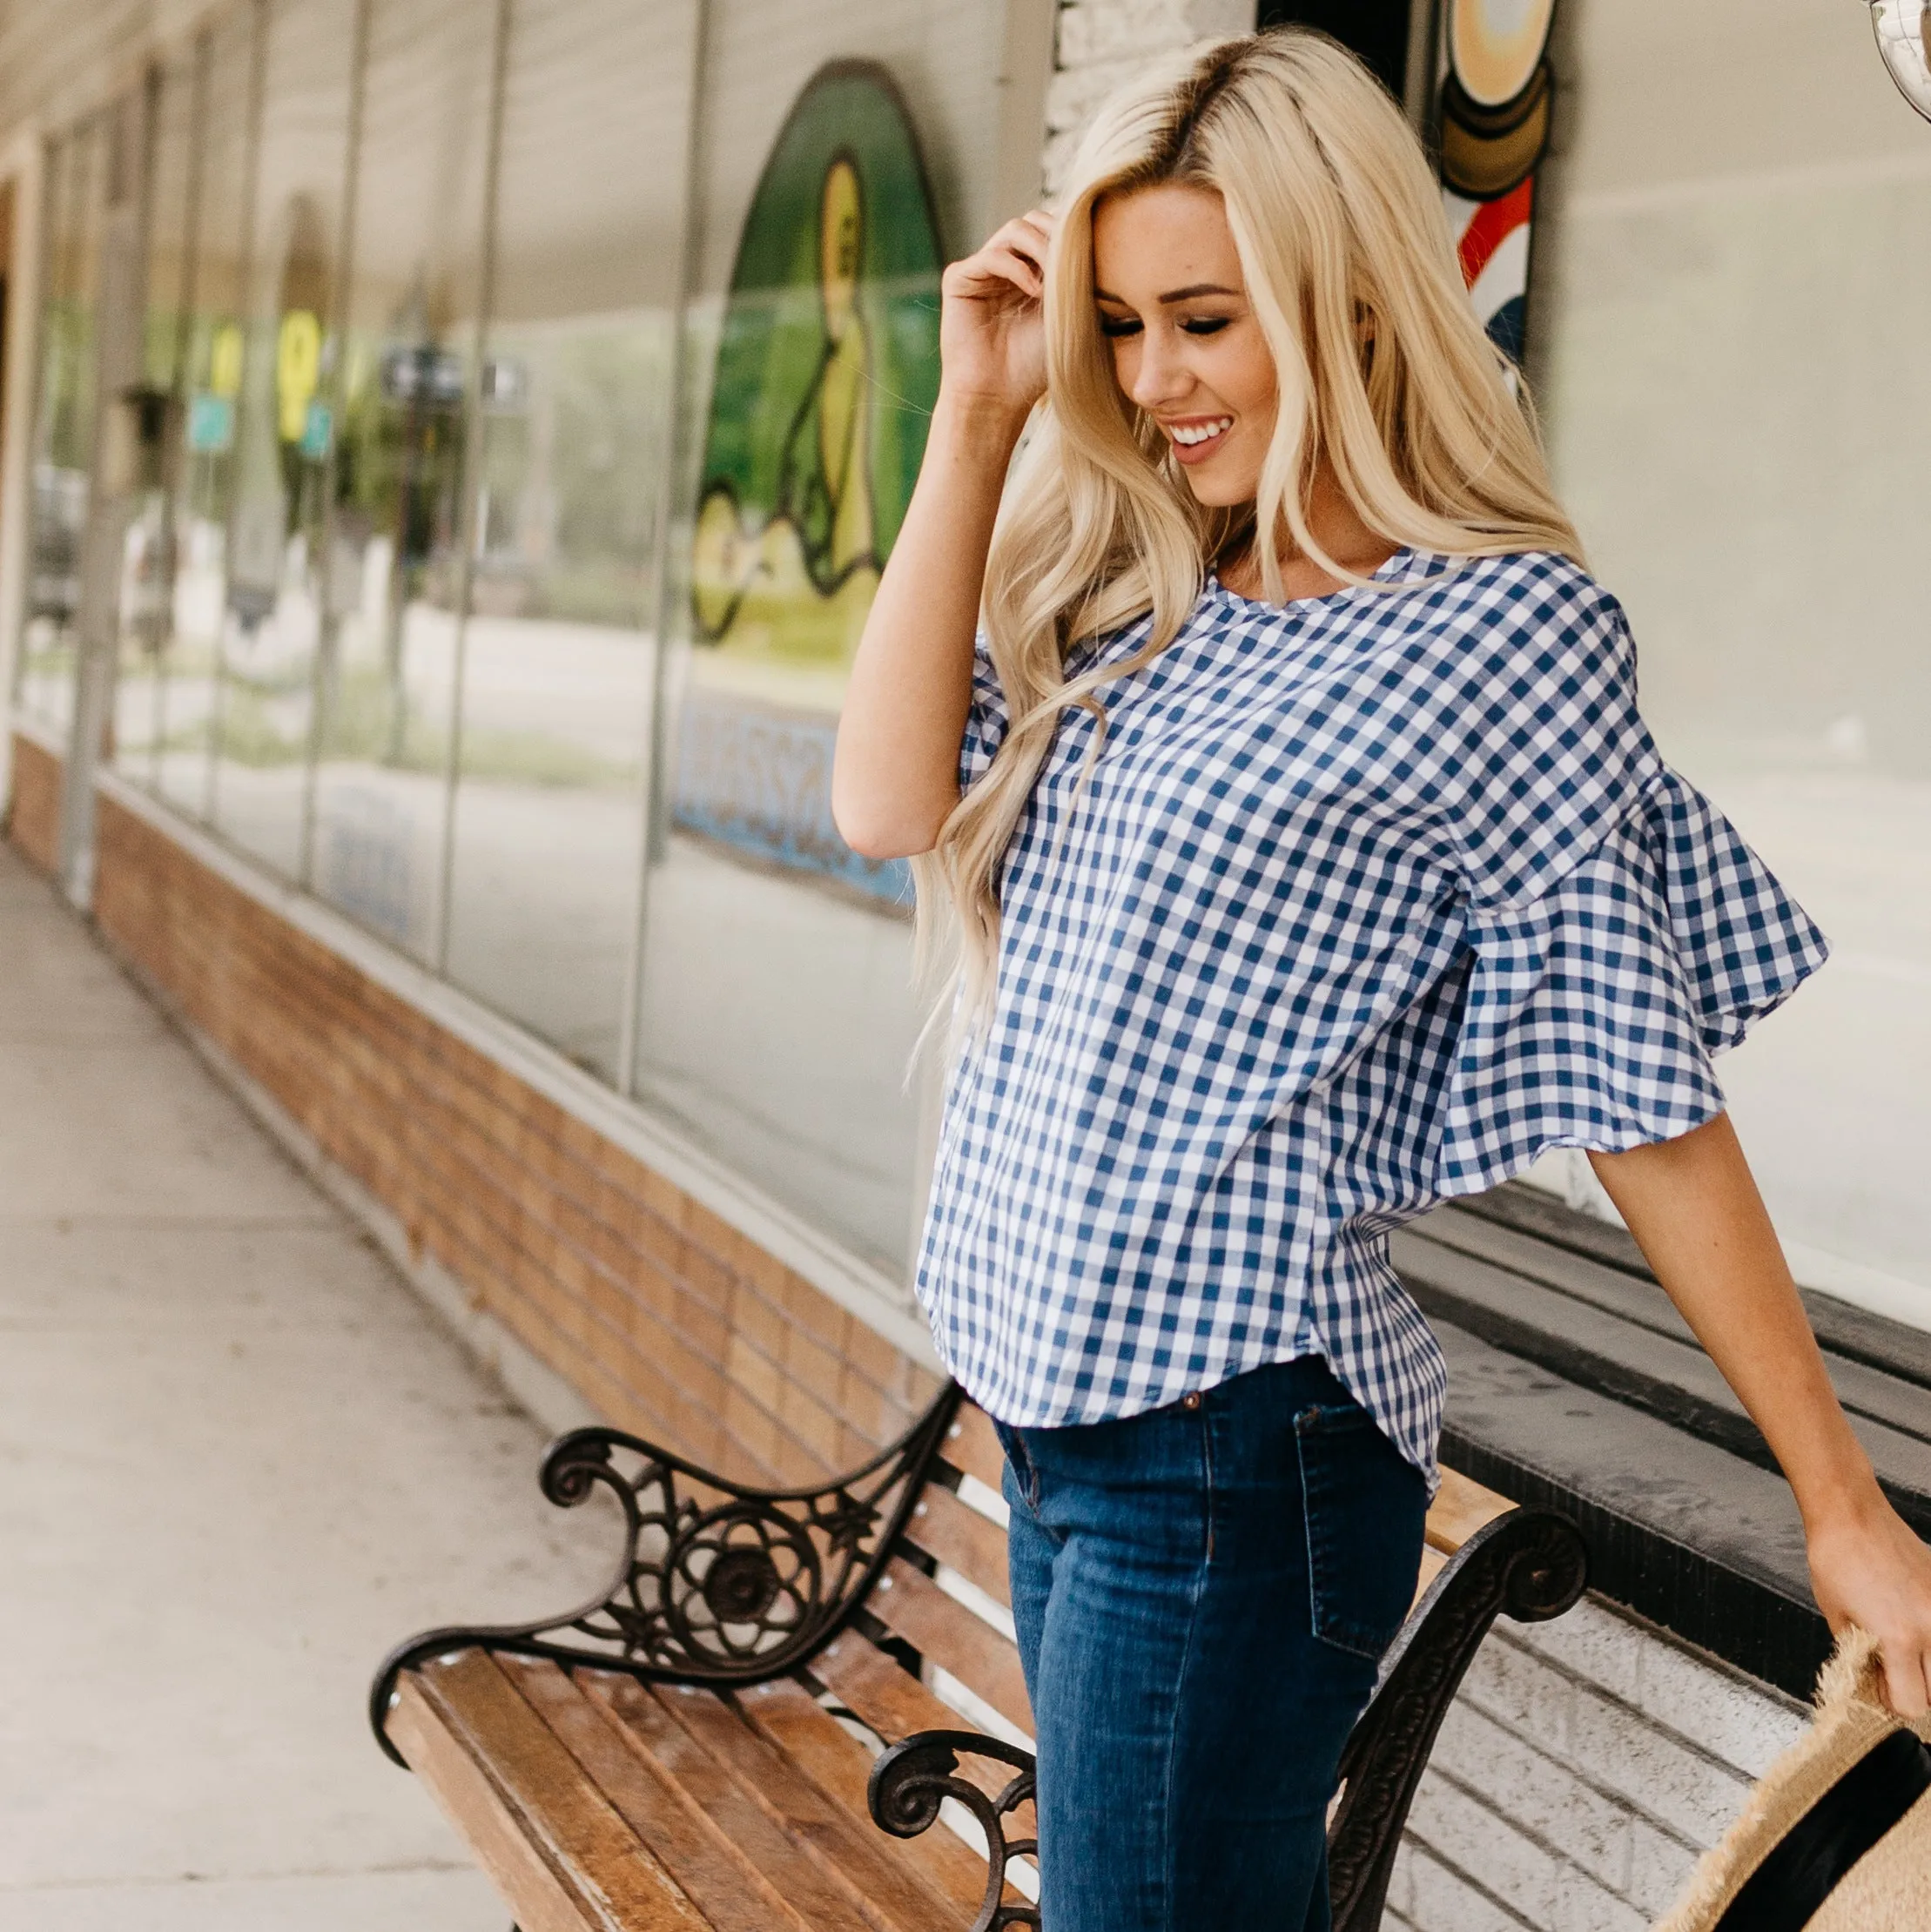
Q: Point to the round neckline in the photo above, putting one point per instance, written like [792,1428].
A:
[1405,554]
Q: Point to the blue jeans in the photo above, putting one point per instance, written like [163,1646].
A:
[1202,1594]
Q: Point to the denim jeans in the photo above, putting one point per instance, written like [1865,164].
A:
[1203,1593]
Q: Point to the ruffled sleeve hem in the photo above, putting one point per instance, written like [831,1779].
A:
[1591,1013]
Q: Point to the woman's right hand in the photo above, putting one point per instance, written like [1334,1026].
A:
[992,328]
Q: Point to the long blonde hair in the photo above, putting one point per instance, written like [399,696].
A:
[1382,370]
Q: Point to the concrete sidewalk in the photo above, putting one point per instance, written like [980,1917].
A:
[237,1460]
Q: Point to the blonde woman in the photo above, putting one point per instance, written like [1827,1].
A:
[1309,864]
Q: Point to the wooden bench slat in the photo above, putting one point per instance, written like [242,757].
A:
[726,1868]
[1461,1507]
[896,1704]
[957,1535]
[955,1637]
[972,1446]
[563,1858]
[892,1701]
[793,1721]
[638,1714]
[544,1898]
[890,1896]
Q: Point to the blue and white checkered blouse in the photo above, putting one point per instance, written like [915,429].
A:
[1370,899]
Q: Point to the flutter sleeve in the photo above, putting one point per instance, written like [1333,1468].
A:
[1619,931]
[985,720]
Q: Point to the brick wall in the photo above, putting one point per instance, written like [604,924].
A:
[33,813]
[667,1320]
[1103,43]
[1584,1766]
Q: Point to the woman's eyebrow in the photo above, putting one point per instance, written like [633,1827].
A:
[1185,294]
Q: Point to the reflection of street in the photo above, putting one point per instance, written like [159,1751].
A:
[543,909]
[777,1023]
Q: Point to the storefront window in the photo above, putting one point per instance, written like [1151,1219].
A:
[147,575]
[205,477]
[527,409]
[397,563]
[1731,294]
[574,450]
[284,433]
[63,442]
[844,152]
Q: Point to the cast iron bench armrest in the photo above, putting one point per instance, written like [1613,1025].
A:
[730,1590]
[1530,1562]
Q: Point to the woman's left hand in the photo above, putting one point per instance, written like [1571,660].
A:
[1868,1568]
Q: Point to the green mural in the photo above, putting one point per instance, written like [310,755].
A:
[827,372]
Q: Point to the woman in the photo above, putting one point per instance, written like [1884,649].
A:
[1312,865]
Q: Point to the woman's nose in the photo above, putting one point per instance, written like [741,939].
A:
[1162,377]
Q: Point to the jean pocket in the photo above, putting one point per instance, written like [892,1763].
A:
[1366,1506]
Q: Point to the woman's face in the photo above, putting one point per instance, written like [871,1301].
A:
[1186,346]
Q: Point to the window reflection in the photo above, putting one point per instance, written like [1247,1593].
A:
[450,570]
[213,367]
[148,548]
[395,572]
[777,1012]
[284,433]
[63,451]
[574,446]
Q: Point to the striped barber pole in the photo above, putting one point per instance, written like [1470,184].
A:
[1492,239]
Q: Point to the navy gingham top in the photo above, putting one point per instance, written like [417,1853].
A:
[1369,899]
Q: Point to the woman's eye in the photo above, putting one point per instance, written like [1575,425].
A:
[1206,325]
[1116,326]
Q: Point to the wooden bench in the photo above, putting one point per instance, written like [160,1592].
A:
[712,1743]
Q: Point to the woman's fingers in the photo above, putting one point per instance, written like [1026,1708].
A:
[981,275]
[1903,1679]
[1025,239]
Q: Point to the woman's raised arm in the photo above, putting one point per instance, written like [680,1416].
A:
[895,779]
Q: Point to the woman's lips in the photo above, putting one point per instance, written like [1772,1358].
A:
[1205,434]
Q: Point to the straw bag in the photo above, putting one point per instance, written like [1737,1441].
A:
[1837,1835]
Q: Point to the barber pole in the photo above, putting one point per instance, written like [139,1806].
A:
[1491,239]
[1495,104]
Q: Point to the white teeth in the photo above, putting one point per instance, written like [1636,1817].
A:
[1200,433]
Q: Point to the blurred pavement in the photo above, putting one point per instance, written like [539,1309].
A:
[237,1461]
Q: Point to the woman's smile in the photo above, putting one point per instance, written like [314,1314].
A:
[1196,438]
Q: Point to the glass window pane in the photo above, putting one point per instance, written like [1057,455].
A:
[147,577]
[558,649]
[395,568]
[63,451]
[283,433]
[777,1012]
[1734,288]
[205,483]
